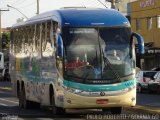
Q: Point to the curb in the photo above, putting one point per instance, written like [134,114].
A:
[144,109]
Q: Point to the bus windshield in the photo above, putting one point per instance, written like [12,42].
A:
[86,48]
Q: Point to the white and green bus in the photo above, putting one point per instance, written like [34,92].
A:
[63,59]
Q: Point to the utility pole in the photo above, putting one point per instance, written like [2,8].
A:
[37,7]
[113,2]
[102,3]
[1,30]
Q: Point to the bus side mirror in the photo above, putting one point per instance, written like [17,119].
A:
[140,42]
[59,45]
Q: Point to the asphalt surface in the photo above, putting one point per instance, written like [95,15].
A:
[147,103]
[146,99]
[148,107]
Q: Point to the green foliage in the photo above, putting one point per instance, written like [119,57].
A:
[6,35]
[5,40]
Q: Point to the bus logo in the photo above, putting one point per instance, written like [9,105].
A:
[102,93]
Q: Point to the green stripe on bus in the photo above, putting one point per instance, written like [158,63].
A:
[99,88]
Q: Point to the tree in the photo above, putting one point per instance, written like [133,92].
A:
[5,46]
[5,40]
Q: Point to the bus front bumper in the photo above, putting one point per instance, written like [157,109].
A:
[72,100]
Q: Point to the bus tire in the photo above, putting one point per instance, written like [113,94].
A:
[105,109]
[56,110]
[20,99]
[23,103]
[18,89]
[116,110]
[35,105]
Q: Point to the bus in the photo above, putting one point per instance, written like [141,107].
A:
[63,59]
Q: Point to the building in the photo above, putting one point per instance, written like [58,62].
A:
[145,20]
[5,30]
[123,6]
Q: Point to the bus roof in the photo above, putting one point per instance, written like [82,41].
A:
[81,17]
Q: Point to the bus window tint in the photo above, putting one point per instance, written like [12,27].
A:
[82,52]
[86,46]
[117,40]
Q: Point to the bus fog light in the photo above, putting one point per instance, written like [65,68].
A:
[68,101]
[77,91]
[133,99]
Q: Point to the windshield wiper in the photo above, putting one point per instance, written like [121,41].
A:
[87,74]
[107,63]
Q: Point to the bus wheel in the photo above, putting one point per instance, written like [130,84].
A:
[20,100]
[105,109]
[56,110]
[23,103]
[116,110]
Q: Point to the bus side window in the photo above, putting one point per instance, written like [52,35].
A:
[33,39]
[24,37]
[37,38]
[48,31]
[44,36]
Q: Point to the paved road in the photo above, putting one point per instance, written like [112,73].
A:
[9,110]
[146,99]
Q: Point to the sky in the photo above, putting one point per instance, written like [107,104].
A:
[28,7]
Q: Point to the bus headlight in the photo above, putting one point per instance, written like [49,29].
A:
[75,91]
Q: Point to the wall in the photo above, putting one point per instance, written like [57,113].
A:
[144,9]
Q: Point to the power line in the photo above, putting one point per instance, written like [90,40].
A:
[102,3]
[93,2]
[18,11]
[28,5]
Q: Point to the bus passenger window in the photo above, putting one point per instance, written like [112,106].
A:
[44,27]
